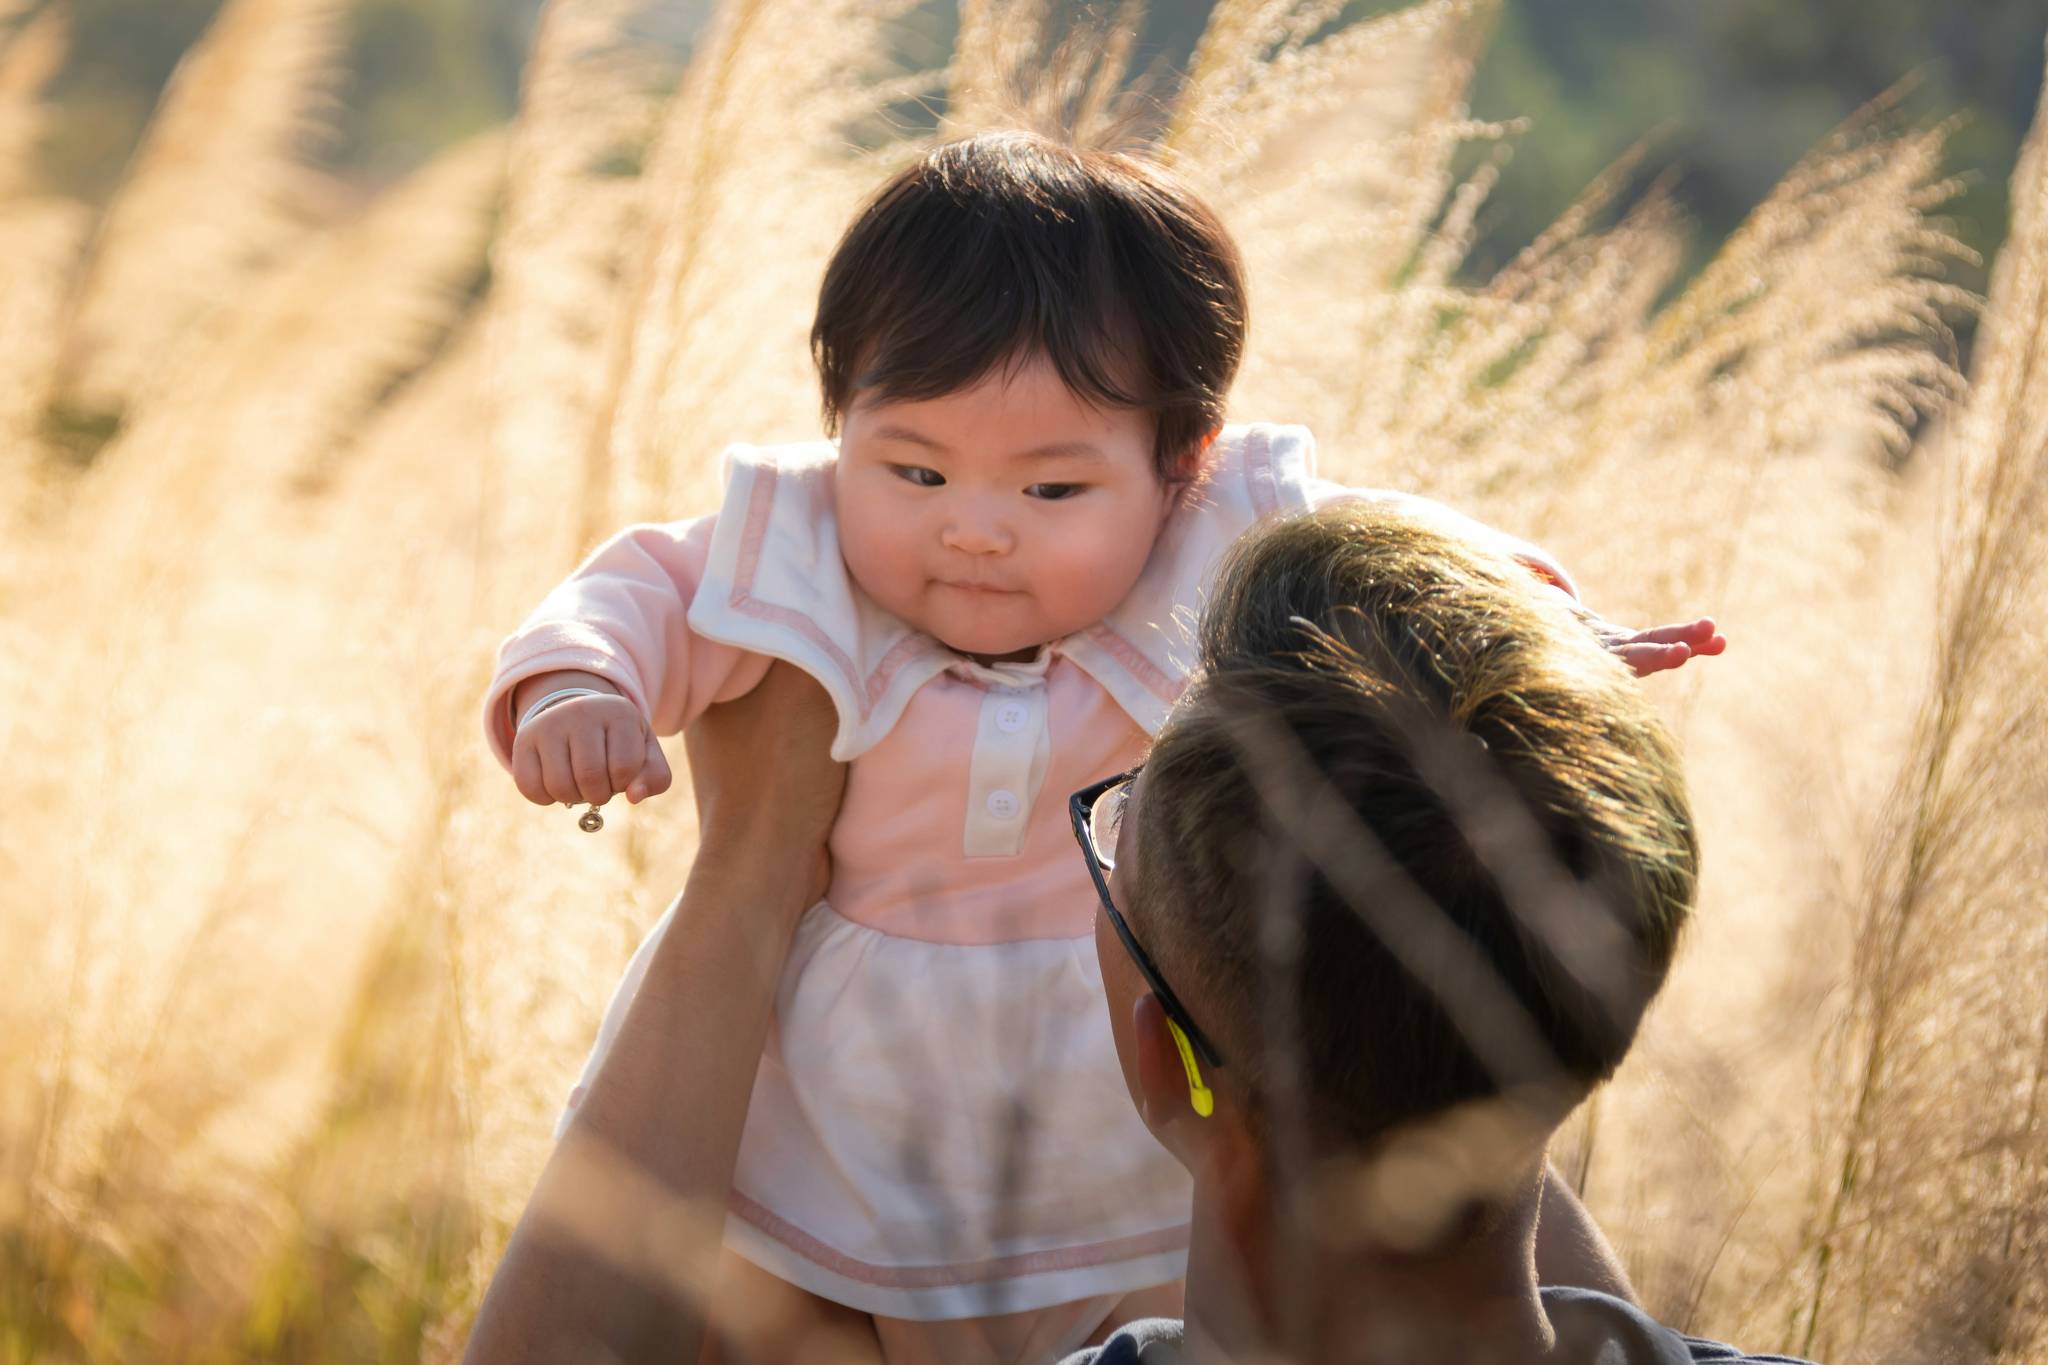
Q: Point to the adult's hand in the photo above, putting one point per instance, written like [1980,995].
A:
[767,788]
[618,1249]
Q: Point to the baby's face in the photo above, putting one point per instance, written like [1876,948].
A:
[1000,517]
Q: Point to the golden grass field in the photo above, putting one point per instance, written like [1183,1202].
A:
[293,979]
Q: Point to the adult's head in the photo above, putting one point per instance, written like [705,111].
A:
[1413,852]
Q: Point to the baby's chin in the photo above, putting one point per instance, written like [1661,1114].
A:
[993,627]
[984,639]
[988,647]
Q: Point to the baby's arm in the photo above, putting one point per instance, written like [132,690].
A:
[1645,651]
[618,627]
[650,1152]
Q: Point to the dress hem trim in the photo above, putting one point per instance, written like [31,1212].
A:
[1169,1239]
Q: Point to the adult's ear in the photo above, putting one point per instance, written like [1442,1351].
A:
[1163,1084]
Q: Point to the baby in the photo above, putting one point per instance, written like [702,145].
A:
[1025,350]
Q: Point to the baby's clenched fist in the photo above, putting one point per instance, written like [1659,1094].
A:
[588,749]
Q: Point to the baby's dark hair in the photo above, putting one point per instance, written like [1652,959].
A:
[1473,814]
[995,248]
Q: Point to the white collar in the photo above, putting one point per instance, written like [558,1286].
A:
[776,584]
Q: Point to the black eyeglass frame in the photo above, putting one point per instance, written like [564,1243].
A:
[1081,810]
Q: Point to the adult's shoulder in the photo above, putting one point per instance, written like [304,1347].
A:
[1593,1326]
[1150,1341]
[1720,1353]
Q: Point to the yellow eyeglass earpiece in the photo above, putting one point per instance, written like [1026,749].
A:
[1199,1095]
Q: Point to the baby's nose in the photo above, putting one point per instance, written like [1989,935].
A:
[976,535]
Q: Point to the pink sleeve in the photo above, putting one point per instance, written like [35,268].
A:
[623,616]
[1540,561]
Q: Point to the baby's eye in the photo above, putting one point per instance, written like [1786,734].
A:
[1053,492]
[919,475]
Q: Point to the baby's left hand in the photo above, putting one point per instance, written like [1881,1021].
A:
[1662,647]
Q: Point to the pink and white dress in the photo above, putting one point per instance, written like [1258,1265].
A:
[939,1127]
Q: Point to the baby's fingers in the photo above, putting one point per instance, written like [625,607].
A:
[1647,657]
[1699,636]
[625,751]
[558,773]
[590,767]
[527,774]
[655,777]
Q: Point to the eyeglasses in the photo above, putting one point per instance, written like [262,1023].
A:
[1098,813]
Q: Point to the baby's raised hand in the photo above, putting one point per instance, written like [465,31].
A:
[1663,647]
[588,749]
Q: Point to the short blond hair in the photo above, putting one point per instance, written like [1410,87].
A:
[1410,792]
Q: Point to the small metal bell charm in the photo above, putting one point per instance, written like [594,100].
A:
[590,822]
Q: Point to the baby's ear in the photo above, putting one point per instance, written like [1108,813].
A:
[1192,464]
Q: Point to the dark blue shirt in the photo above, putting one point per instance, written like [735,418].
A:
[1592,1329]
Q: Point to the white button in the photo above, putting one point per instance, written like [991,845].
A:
[1011,715]
[1002,804]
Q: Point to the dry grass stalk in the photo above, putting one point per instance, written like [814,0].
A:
[316,344]
[1273,86]
[28,61]
[39,240]
[1364,124]
[1559,382]
[356,310]
[572,217]
[277,1120]
[1939,1165]
[1012,67]
[744,199]
[218,187]
[259,401]
[995,42]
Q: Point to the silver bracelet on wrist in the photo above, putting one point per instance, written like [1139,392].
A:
[591,820]
[556,698]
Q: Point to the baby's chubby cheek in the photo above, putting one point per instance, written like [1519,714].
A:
[885,566]
[1081,595]
[1089,575]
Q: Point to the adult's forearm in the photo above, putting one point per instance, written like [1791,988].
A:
[615,1254]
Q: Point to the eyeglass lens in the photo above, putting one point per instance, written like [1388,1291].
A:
[1105,819]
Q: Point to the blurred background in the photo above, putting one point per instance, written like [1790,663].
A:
[1729,94]
[334,332]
